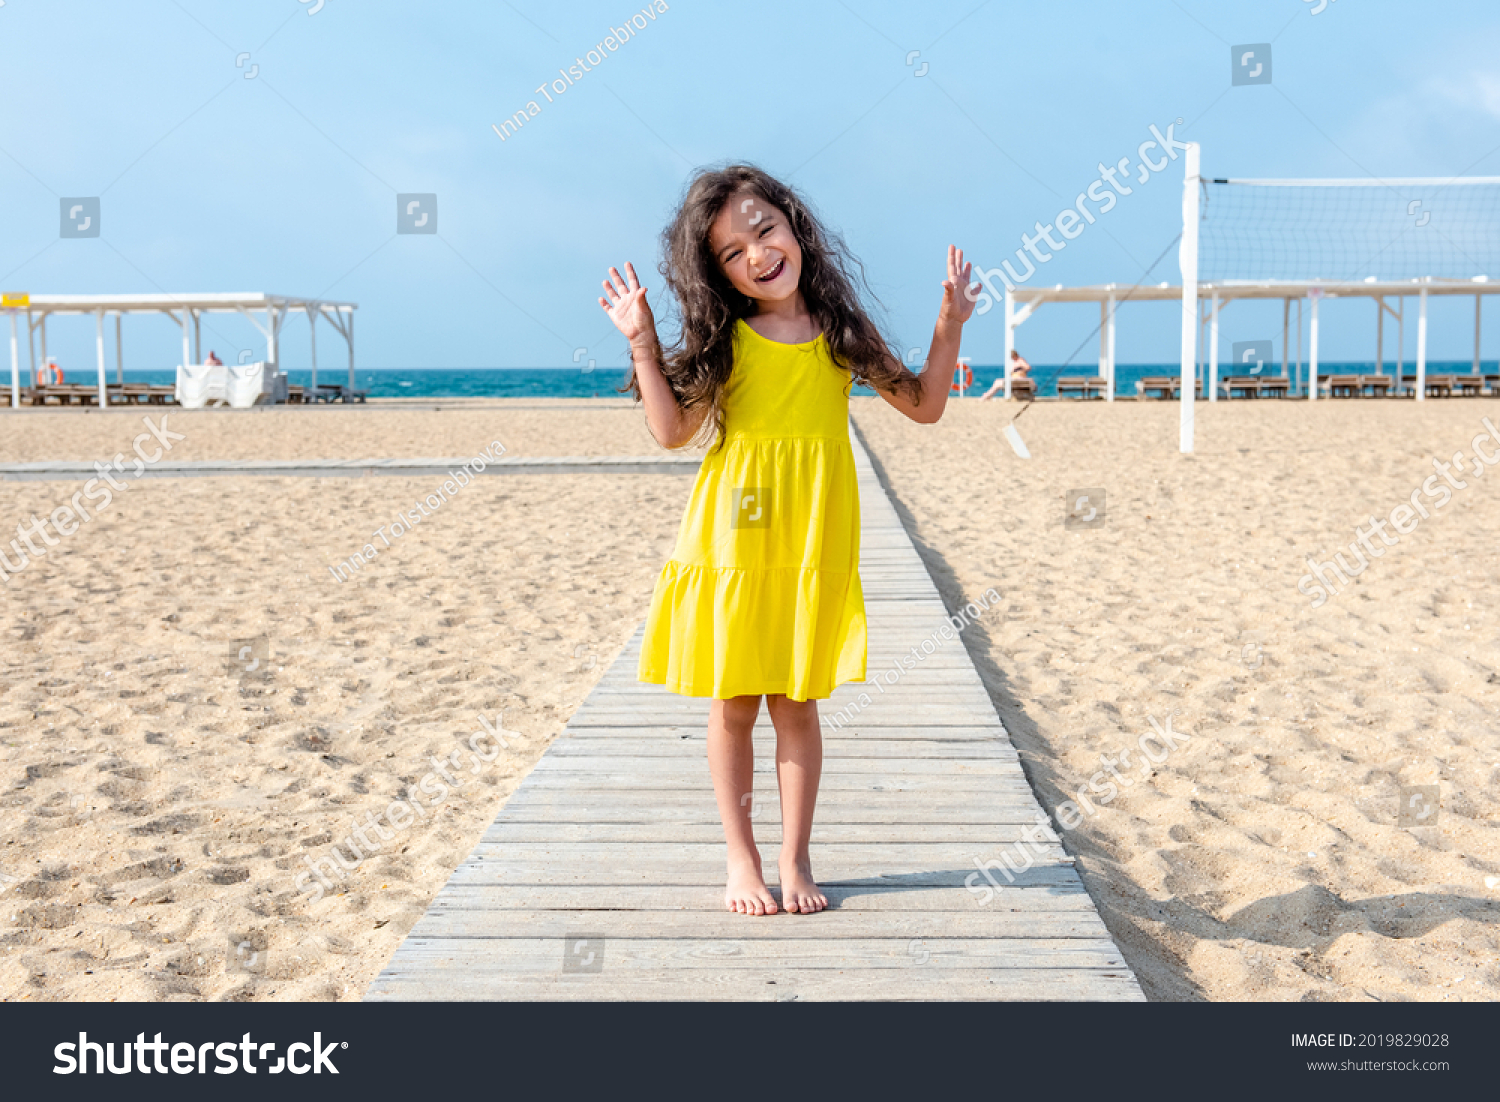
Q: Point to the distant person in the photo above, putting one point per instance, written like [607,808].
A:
[1019,369]
[213,360]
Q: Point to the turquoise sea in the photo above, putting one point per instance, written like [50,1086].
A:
[551,382]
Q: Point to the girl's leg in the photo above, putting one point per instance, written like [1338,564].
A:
[799,764]
[731,760]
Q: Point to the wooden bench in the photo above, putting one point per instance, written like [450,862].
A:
[1159,386]
[1023,389]
[1084,386]
[1438,386]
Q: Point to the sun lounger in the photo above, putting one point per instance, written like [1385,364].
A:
[1084,386]
[1438,386]
[1245,386]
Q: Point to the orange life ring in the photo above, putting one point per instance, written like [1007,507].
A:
[968,379]
[46,370]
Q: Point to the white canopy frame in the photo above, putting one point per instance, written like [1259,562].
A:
[273,309]
[1021,302]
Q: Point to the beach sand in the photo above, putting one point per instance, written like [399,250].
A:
[379,429]
[157,802]
[1263,859]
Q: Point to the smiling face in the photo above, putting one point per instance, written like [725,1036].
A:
[756,249]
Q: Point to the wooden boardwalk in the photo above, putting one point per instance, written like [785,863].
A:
[603,875]
[65,470]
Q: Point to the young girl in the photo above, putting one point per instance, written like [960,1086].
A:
[762,596]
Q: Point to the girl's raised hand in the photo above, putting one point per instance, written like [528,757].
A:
[624,301]
[958,293]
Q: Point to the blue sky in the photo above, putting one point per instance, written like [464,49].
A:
[287,181]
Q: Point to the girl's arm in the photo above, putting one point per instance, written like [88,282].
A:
[942,354]
[627,308]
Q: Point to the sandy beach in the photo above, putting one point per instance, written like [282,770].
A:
[1263,859]
[159,799]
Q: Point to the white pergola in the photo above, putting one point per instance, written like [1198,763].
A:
[1021,301]
[182,309]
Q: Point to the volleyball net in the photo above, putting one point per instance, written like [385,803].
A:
[1349,230]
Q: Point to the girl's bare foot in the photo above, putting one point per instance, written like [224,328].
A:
[747,892]
[799,894]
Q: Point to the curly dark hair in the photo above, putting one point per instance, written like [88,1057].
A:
[698,363]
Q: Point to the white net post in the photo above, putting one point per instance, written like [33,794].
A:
[1312,347]
[1422,344]
[1010,338]
[1109,382]
[99,349]
[15,364]
[1187,260]
[1212,385]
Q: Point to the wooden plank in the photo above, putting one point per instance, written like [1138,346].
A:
[603,783]
[708,899]
[767,832]
[517,957]
[835,806]
[668,875]
[426,980]
[986,735]
[588,743]
[691,764]
[484,921]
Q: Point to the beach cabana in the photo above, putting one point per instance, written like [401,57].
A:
[267,312]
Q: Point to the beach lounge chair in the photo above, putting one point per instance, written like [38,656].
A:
[1438,386]
[1083,386]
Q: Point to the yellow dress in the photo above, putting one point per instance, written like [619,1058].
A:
[762,594]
